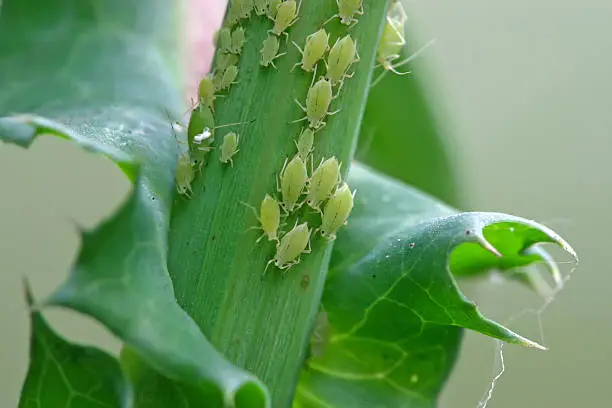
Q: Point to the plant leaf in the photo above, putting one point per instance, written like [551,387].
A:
[99,76]
[393,308]
[63,374]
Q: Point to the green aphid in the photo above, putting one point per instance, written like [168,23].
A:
[184,175]
[229,148]
[342,55]
[269,218]
[273,8]
[269,51]
[293,244]
[228,78]
[286,16]
[222,62]
[315,48]
[223,40]
[305,143]
[336,212]
[322,183]
[293,178]
[237,42]
[318,99]
[348,10]
[206,91]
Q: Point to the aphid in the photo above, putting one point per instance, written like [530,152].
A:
[392,42]
[348,10]
[286,16]
[341,56]
[273,8]
[245,8]
[206,91]
[323,181]
[316,46]
[233,12]
[184,175]
[269,51]
[237,41]
[293,244]
[261,7]
[229,148]
[222,62]
[200,134]
[223,40]
[228,78]
[293,177]
[304,143]
[397,14]
[269,218]
[336,212]
[318,99]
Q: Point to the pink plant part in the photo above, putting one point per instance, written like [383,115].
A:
[203,18]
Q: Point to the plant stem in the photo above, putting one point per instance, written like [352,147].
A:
[263,324]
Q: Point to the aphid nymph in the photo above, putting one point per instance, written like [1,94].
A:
[245,7]
[229,148]
[222,62]
[293,244]
[269,51]
[336,212]
[341,56]
[322,183]
[286,15]
[304,143]
[184,175]
[315,48]
[348,10]
[237,42]
[269,218]
[261,7]
[224,40]
[318,99]
[273,8]
[293,177]
[392,42]
[206,91]
[228,78]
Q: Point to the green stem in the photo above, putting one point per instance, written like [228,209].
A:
[263,324]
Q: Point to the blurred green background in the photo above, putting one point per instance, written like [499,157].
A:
[526,86]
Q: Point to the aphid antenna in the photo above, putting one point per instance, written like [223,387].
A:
[405,61]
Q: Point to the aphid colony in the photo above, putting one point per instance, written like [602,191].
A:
[323,190]
[304,192]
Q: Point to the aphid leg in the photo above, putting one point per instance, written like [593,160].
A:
[266,268]
[308,249]
[300,105]
[334,112]
[254,212]
[301,52]
[378,79]
[328,20]
[413,55]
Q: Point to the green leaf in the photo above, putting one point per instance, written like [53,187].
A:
[403,133]
[99,75]
[63,374]
[393,307]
